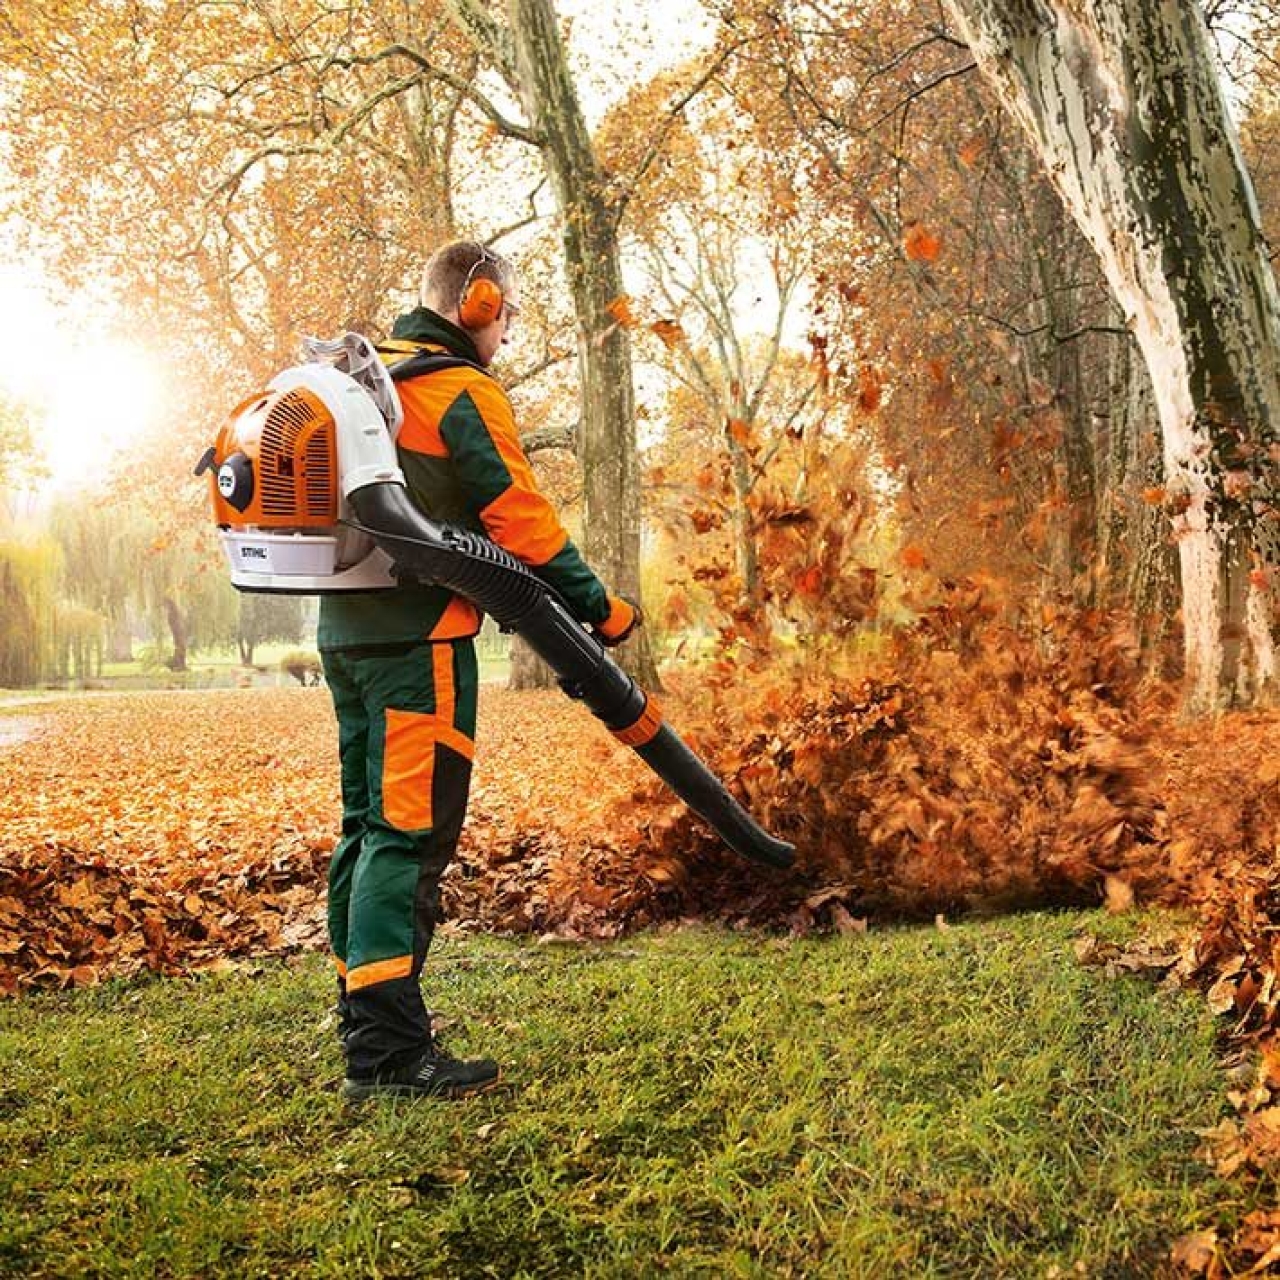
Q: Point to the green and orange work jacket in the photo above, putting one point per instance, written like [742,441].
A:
[464,465]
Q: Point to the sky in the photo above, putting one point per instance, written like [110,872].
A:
[93,388]
[612,47]
[96,389]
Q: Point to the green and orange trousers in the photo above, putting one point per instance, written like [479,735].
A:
[406,730]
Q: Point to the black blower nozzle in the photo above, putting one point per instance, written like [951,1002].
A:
[518,601]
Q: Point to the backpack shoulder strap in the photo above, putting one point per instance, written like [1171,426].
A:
[430,362]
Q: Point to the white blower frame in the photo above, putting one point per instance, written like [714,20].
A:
[367,415]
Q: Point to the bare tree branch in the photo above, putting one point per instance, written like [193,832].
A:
[542,438]
[504,124]
[477,24]
[935,36]
[533,215]
[904,103]
[548,361]
[656,143]
[1060,338]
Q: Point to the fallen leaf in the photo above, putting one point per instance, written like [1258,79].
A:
[1195,1252]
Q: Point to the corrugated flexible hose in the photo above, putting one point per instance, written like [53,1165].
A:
[518,601]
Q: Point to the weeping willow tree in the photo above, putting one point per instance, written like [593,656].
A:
[187,600]
[103,540]
[79,639]
[28,577]
[265,618]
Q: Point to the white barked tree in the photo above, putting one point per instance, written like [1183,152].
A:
[1123,102]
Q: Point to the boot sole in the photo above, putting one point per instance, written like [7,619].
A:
[353,1091]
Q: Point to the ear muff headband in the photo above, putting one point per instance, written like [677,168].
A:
[480,302]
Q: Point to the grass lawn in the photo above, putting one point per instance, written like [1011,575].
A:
[912,1102]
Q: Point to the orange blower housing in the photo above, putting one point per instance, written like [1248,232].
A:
[275,486]
[289,476]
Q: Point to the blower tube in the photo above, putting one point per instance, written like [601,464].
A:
[488,575]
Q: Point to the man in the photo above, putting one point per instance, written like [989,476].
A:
[401,669]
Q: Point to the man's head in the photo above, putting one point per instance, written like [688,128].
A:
[475,288]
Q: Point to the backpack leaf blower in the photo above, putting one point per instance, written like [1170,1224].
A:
[309,498]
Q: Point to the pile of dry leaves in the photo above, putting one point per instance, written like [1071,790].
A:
[979,766]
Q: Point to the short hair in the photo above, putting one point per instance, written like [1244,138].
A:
[452,265]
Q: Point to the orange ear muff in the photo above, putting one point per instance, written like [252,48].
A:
[480,304]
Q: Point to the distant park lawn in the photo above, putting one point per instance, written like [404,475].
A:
[222,668]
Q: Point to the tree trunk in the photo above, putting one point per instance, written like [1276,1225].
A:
[120,642]
[178,630]
[1122,102]
[1137,564]
[1079,480]
[744,536]
[528,671]
[1070,490]
[607,443]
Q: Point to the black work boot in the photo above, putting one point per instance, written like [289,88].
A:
[435,1076]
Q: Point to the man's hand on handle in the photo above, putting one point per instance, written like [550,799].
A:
[624,617]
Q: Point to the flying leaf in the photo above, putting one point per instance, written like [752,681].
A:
[1119,895]
[870,389]
[919,244]
[670,331]
[621,310]
[809,583]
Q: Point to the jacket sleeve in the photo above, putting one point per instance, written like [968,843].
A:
[479,431]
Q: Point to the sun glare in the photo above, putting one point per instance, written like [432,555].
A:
[91,392]
[108,396]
